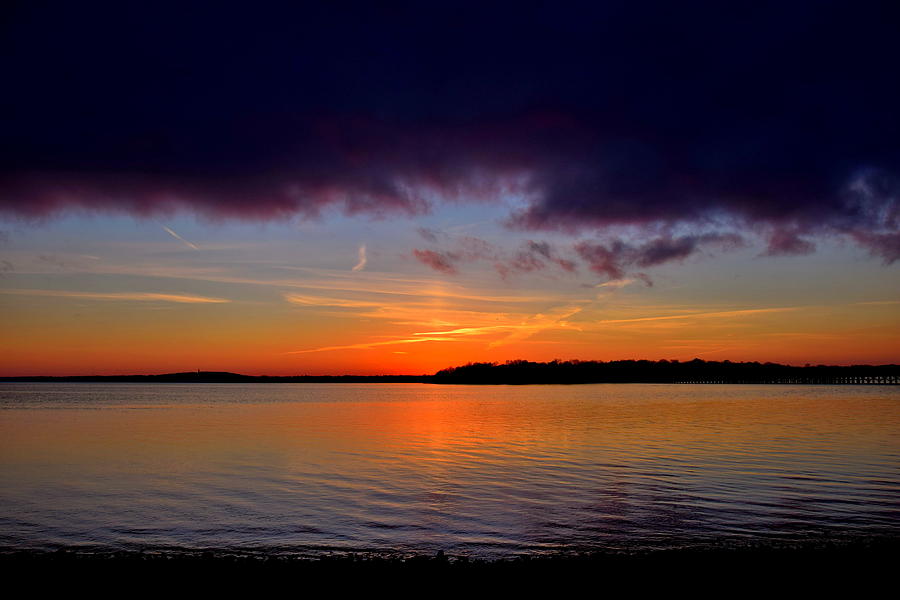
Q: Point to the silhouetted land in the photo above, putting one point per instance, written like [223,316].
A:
[664,371]
[224,377]
[521,372]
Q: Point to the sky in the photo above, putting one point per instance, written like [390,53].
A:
[324,188]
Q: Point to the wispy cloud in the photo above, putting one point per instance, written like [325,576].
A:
[555,319]
[615,284]
[515,332]
[131,296]
[66,261]
[363,259]
[366,345]
[178,237]
[323,301]
[726,313]
[463,331]
[388,288]
[878,303]
[334,282]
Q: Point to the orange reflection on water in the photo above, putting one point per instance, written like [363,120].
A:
[421,466]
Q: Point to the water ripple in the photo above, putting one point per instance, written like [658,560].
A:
[484,471]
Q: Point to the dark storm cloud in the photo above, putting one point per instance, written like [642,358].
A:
[776,118]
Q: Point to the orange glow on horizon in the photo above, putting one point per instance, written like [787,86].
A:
[259,346]
[364,323]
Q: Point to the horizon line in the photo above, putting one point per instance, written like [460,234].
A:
[670,361]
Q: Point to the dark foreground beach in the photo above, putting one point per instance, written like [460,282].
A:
[857,567]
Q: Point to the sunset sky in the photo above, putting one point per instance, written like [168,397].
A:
[400,187]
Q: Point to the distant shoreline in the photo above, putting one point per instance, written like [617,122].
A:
[556,372]
[217,377]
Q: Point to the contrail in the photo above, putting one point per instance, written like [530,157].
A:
[178,237]
[362,259]
[137,296]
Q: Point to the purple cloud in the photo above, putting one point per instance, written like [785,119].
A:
[781,121]
[614,258]
[439,261]
[883,245]
[534,256]
[787,242]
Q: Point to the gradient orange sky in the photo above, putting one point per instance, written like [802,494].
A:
[230,189]
[114,295]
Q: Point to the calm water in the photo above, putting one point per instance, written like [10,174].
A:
[484,471]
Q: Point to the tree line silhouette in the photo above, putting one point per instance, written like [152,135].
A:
[663,371]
